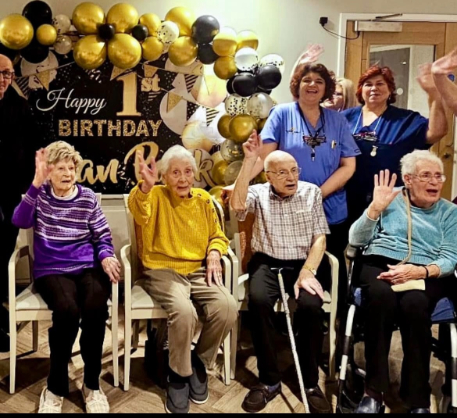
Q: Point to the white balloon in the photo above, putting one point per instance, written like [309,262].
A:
[259,105]
[63,45]
[246,59]
[62,23]
[273,59]
[168,32]
[235,104]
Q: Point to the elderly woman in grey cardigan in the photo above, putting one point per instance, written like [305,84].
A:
[410,240]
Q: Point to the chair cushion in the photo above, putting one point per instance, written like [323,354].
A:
[141,299]
[243,284]
[444,311]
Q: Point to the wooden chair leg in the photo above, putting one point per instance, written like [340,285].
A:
[35,331]
[13,348]
[127,350]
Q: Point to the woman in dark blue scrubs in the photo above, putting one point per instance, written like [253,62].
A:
[385,133]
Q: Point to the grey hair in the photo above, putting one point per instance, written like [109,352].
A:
[409,161]
[176,152]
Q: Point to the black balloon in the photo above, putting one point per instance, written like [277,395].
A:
[204,29]
[140,32]
[268,77]
[230,85]
[205,54]
[34,52]
[244,84]
[106,31]
[38,13]
[262,90]
[10,53]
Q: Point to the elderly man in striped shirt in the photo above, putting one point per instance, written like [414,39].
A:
[289,231]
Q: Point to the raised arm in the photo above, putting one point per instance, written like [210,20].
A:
[311,54]
[441,68]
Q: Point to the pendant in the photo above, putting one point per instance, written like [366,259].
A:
[373,151]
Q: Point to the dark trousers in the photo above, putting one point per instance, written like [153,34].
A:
[74,298]
[411,311]
[264,291]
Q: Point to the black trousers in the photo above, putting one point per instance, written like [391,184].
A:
[411,311]
[76,300]
[264,291]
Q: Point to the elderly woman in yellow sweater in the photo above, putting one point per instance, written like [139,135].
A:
[182,248]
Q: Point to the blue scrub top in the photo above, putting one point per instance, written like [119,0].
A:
[286,127]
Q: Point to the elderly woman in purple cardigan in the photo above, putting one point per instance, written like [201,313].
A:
[73,267]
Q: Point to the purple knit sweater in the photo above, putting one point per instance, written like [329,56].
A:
[69,235]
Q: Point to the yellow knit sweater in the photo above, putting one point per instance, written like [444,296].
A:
[176,233]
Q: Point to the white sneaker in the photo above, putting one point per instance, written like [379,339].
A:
[50,403]
[95,400]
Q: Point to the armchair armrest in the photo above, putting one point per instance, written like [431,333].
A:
[334,270]
[235,270]
[125,261]
[227,268]
[21,252]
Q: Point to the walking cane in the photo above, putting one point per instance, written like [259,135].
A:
[292,338]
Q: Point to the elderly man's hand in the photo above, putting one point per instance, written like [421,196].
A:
[402,274]
[308,282]
[112,268]
[253,146]
[214,268]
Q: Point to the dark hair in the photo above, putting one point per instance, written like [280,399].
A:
[320,69]
[373,71]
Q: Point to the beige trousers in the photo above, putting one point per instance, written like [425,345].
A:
[177,294]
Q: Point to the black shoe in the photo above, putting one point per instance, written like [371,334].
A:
[4,342]
[369,405]
[258,397]
[177,394]
[318,403]
[198,382]
[420,411]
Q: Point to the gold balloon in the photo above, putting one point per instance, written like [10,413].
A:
[152,48]
[183,51]
[124,51]
[225,67]
[224,44]
[90,52]
[216,192]
[241,127]
[16,31]
[87,17]
[247,38]
[223,125]
[184,18]
[152,22]
[46,35]
[123,17]
[260,178]
[218,172]
[261,124]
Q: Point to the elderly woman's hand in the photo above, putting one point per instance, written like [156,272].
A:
[214,268]
[425,80]
[402,273]
[445,65]
[383,193]
[148,174]
[112,268]
[42,169]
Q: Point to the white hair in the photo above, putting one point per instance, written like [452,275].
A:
[409,161]
[176,152]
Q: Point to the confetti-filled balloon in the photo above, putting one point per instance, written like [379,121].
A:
[234,104]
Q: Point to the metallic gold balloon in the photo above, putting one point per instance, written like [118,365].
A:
[247,38]
[223,125]
[152,48]
[216,192]
[218,172]
[241,127]
[46,35]
[260,178]
[260,124]
[152,22]
[183,51]
[123,17]
[184,18]
[232,172]
[89,52]
[87,17]
[232,151]
[225,67]
[225,44]
[124,51]
[16,32]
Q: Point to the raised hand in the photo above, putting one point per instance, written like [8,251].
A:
[383,193]
[425,80]
[253,146]
[311,54]
[148,174]
[447,64]
[42,169]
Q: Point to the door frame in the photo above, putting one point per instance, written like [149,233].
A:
[407,17]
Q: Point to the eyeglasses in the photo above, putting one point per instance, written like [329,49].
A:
[7,74]
[282,174]
[426,177]
[177,174]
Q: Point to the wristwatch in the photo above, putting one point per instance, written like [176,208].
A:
[310,269]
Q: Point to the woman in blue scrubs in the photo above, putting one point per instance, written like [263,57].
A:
[385,133]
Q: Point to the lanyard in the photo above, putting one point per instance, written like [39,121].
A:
[315,139]
[358,120]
